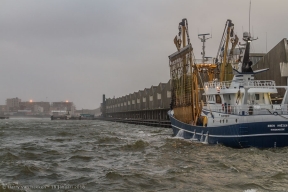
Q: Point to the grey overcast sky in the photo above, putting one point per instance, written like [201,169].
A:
[77,50]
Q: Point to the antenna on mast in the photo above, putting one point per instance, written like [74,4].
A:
[203,40]
[249,16]
[211,33]
[266,42]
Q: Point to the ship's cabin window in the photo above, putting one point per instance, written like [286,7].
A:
[257,96]
[251,98]
[211,98]
[218,99]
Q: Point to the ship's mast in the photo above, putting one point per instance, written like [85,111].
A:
[223,72]
[185,75]
[203,40]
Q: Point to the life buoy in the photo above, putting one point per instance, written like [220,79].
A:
[275,113]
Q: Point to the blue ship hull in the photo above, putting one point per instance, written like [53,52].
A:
[256,134]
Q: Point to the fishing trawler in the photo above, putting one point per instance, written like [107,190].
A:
[219,100]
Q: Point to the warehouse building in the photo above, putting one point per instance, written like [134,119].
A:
[277,62]
[150,103]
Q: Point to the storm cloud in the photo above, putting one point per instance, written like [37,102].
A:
[77,50]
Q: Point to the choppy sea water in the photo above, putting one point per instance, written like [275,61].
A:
[45,155]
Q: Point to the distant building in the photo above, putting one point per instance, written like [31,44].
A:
[3,108]
[23,113]
[38,109]
[31,106]
[63,106]
[59,112]
[12,104]
[88,111]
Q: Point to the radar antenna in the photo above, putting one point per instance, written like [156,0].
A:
[203,40]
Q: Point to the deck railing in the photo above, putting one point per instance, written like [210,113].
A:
[252,83]
[251,109]
[206,61]
[262,83]
[218,85]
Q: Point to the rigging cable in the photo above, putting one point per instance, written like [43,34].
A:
[222,39]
